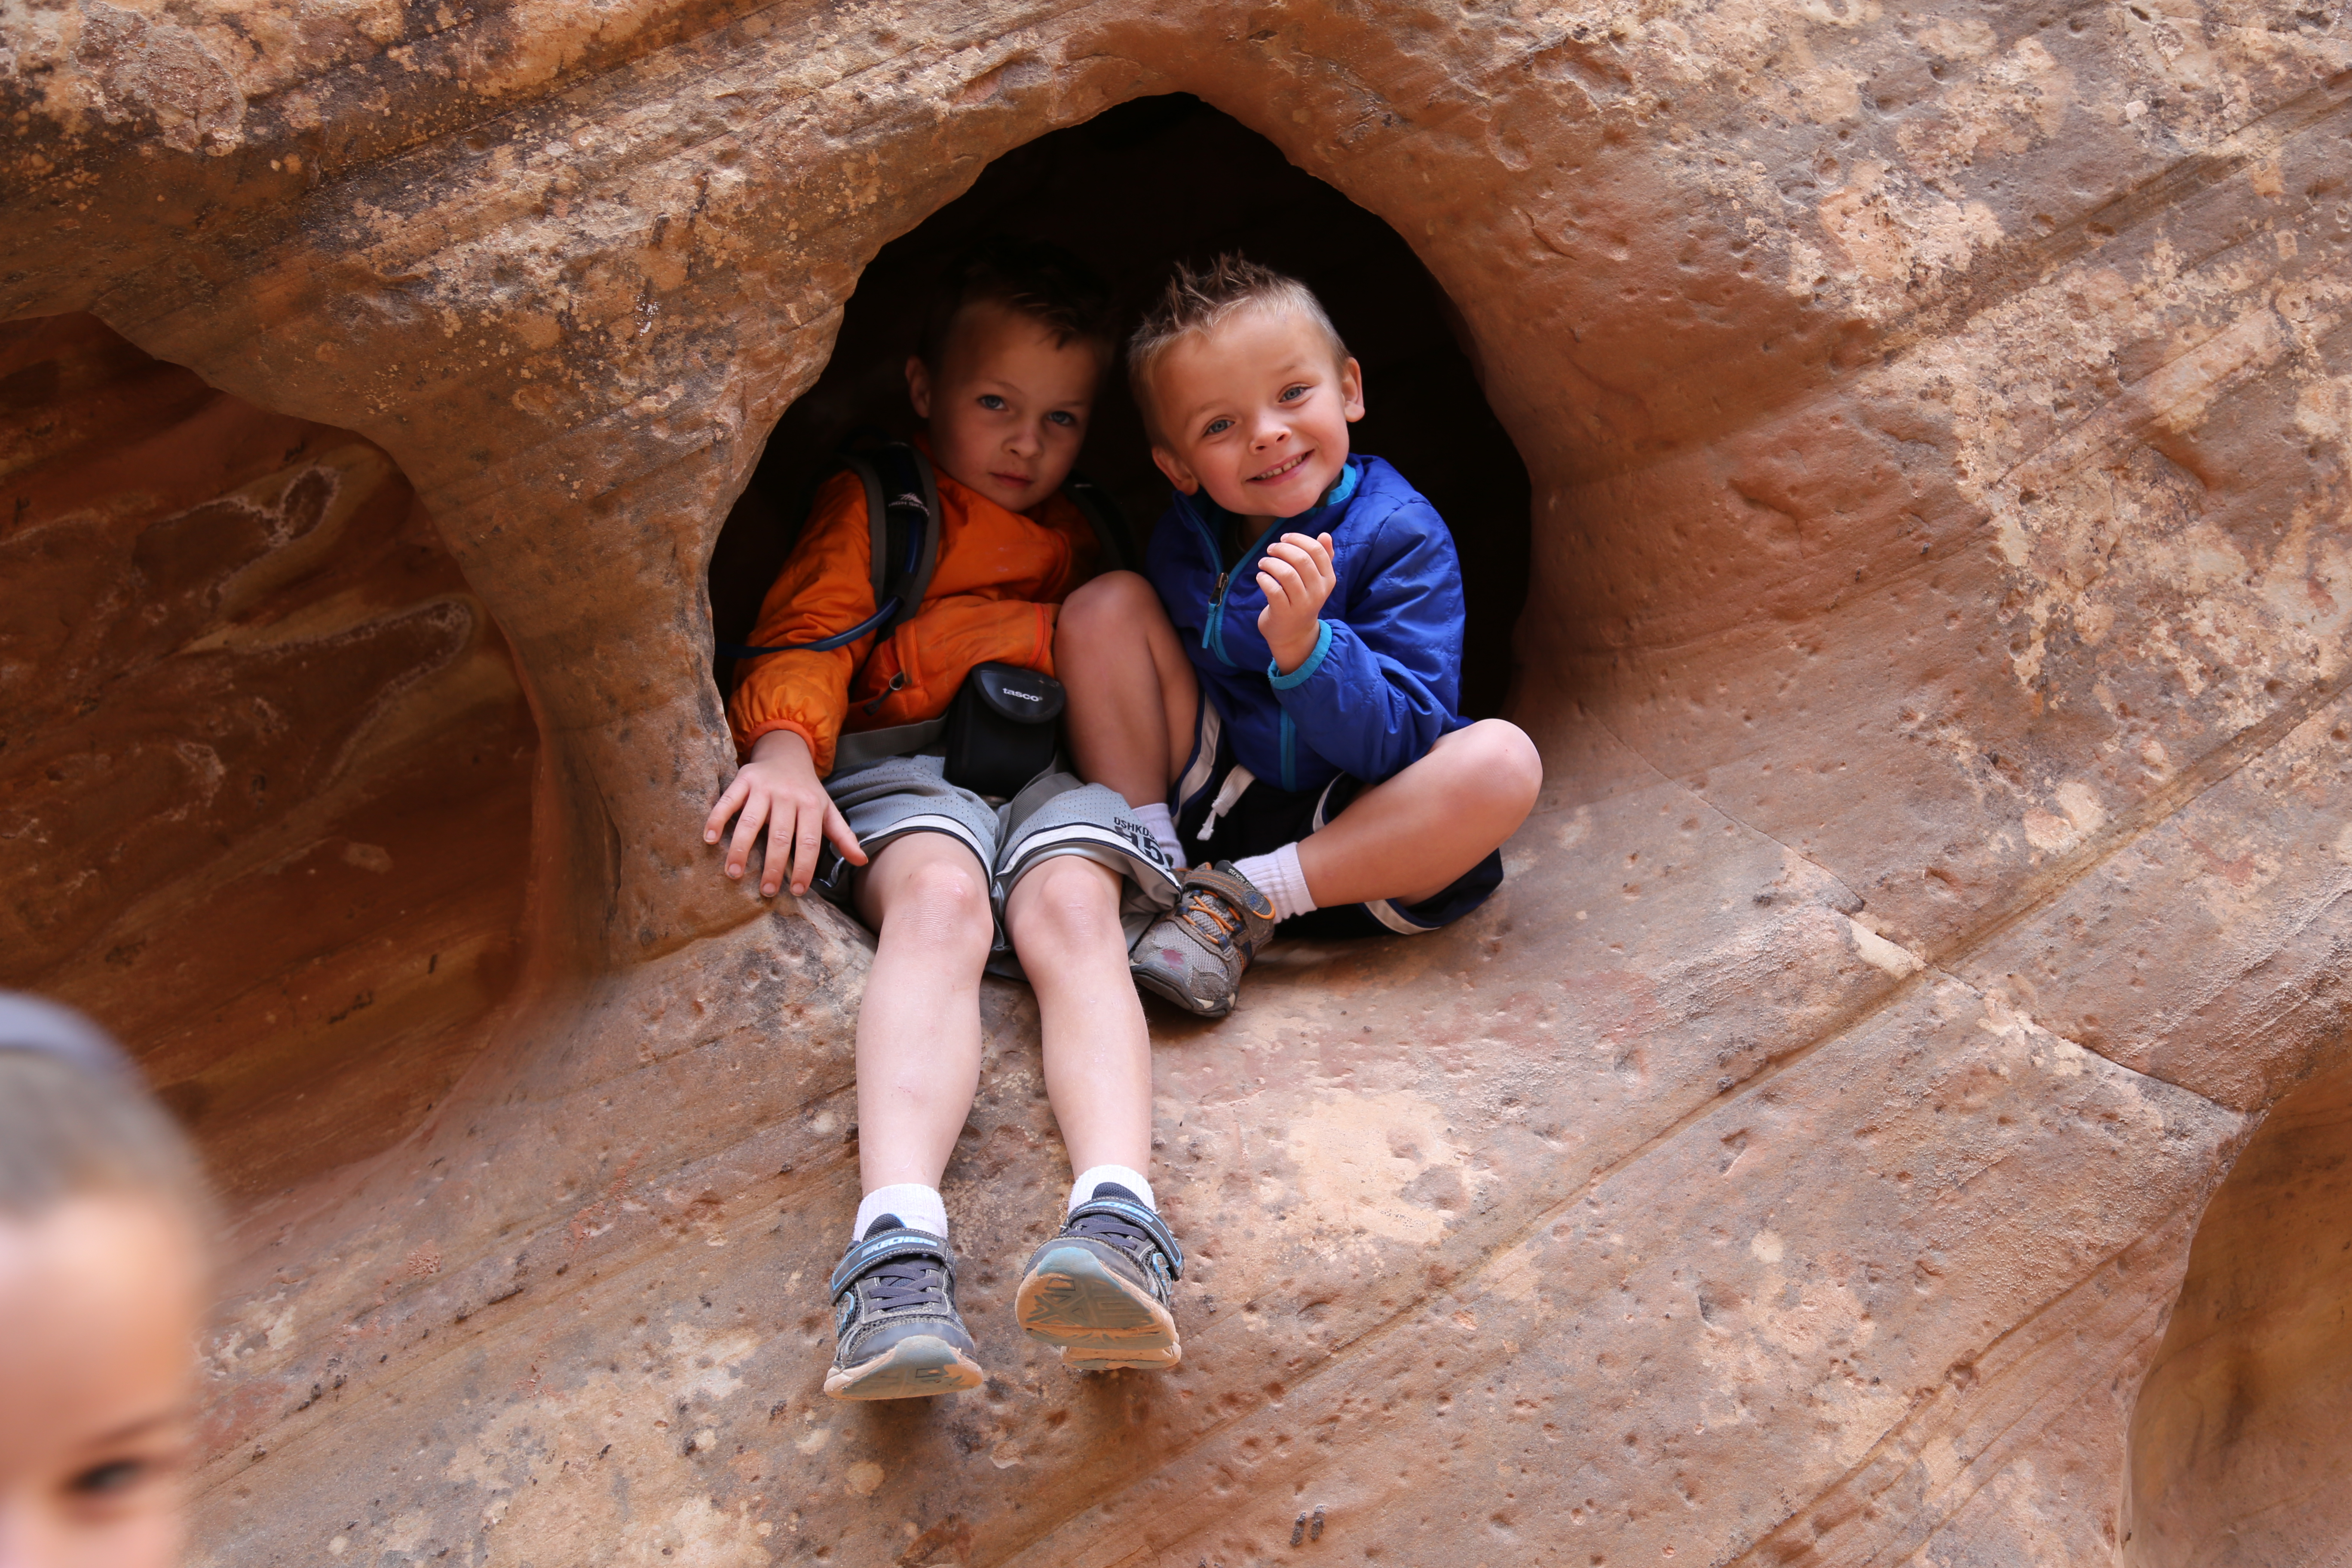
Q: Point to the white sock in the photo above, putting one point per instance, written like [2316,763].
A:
[1094,1175]
[913,1203]
[1163,828]
[1279,877]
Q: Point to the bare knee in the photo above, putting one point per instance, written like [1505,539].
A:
[1066,902]
[1115,604]
[942,904]
[1498,771]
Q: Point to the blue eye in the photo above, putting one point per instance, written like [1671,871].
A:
[992,403]
[1218,426]
[1292,393]
[1063,417]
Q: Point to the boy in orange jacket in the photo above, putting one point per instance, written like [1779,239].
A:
[1012,350]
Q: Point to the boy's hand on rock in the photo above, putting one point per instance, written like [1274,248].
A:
[1295,576]
[778,789]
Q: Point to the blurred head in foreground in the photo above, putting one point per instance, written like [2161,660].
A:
[103,1222]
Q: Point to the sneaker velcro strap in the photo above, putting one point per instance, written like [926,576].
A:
[882,1248]
[1252,908]
[1143,1219]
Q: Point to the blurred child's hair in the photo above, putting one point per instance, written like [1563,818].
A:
[75,1121]
[1040,281]
[1201,302]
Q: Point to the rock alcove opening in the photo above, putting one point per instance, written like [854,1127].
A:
[272,746]
[1131,190]
[2237,1451]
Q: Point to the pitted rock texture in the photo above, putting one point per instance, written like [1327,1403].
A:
[1937,423]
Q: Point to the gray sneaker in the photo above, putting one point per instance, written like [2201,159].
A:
[1194,954]
[897,1334]
[1101,1290]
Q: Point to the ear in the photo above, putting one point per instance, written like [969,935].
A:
[1179,475]
[919,385]
[1351,391]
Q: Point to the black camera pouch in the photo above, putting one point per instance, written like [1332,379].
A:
[1002,729]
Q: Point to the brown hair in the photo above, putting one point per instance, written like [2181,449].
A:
[1041,281]
[75,1121]
[1198,302]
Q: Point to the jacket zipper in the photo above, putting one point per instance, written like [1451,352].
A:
[897,684]
[1212,638]
[1212,633]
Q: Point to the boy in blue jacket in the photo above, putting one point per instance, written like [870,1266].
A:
[1278,699]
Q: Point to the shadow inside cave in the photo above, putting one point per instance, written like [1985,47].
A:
[2237,1454]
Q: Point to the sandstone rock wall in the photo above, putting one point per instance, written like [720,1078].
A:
[1937,423]
[265,769]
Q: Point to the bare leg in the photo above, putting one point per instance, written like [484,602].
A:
[1063,918]
[1102,1308]
[1407,839]
[918,1025]
[1133,697]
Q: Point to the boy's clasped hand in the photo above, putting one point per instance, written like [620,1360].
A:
[1295,576]
[1273,696]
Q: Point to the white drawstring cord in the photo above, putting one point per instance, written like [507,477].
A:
[1240,779]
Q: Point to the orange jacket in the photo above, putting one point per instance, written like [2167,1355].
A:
[1000,579]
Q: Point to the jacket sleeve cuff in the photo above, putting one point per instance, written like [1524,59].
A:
[1308,667]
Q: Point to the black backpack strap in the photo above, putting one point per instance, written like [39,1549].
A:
[902,519]
[1102,514]
[906,524]
[878,524]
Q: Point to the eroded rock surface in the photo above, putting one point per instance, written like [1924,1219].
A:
[265,770]
[1937,636]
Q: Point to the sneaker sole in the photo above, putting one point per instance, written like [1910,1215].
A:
[914,1368]
[1070,1299]
[1175,995]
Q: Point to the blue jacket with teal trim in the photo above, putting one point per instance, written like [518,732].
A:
[1385,677]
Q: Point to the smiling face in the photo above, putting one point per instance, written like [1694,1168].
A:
[1007,406]
[99,1303]
[1255,411]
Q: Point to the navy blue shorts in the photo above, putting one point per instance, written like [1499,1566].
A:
[1255,817]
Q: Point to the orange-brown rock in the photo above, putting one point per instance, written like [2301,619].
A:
[2237,1446]
[265,770]
[1937,423]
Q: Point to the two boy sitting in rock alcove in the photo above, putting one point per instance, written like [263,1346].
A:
[1262,729]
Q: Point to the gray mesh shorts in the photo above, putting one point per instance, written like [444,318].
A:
[1055,814]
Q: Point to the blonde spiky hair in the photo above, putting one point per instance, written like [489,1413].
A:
[1195,303]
